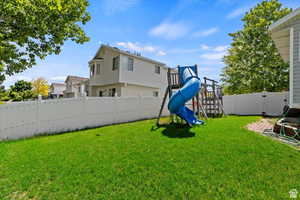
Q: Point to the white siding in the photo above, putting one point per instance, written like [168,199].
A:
[135,90]
[107,75]
[143,73]
[296,63]
[96,89]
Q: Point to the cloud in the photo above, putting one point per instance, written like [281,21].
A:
[113,6]
[238,12]
[207,32]
[12,79]
[204,47]
[161,53]
[221,48]
[170,31]
[213,56]
[141,48]
[214,53]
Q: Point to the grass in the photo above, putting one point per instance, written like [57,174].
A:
[220,160]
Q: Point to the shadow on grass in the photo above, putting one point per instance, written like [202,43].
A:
[176,130]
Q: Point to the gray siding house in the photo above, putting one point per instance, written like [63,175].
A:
[286,34]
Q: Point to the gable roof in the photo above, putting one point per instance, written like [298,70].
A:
[127,53]
[285,19]
[58,84]
[75,78]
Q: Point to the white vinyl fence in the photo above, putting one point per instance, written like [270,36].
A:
[268,103]
[26,119]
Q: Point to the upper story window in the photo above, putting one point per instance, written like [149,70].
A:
[130,64]
[157,69]
[155,93]
[98,67]
[92,68]
[116,63]
[69,84]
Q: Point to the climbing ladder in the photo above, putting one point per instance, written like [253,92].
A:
[174,84]
[212,98]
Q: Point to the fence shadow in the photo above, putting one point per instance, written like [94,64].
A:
[176,130]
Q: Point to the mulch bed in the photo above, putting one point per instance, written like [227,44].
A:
[265,128]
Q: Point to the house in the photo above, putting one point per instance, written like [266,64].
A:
[75,86]
[114,72]
[286,34]
[57,90]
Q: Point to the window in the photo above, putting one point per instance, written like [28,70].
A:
[155,93]
[98,69]
[157,69]
[116,62]
[112,92]
[92,68]
[130,64]
[100,93]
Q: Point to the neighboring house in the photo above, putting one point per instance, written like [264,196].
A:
[57,90]
[286,34]
[76,86]
[114,72]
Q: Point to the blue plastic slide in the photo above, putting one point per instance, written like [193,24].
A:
[191,86]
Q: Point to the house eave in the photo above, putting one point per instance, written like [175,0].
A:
[284,20]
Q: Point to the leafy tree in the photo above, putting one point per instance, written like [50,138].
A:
[3,94]
[21,86]
[40,87]
[31,29]
[21,90]
[253,63]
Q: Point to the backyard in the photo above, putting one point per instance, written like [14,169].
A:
[220,160]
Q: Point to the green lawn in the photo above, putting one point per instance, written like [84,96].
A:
[220,160]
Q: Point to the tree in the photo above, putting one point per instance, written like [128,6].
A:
[21,90]
[253,63]
[31,29]
[40,87]
[3,93]
[21,86]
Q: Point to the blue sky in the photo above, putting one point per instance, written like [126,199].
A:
[176,32]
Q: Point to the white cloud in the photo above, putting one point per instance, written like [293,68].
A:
[207,32]
[141,48]
[12,79]
[204,47]
[221,48]
[161,53]
[136,47]
[112,6]
[213,55]
[170,31]
[237,12]
[58,78]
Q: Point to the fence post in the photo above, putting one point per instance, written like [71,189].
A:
[38,103]
[1,123]
[264,95]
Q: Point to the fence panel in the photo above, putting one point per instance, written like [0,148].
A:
[26,119]
[268,103]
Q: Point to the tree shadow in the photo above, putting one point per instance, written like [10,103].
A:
[176,130]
